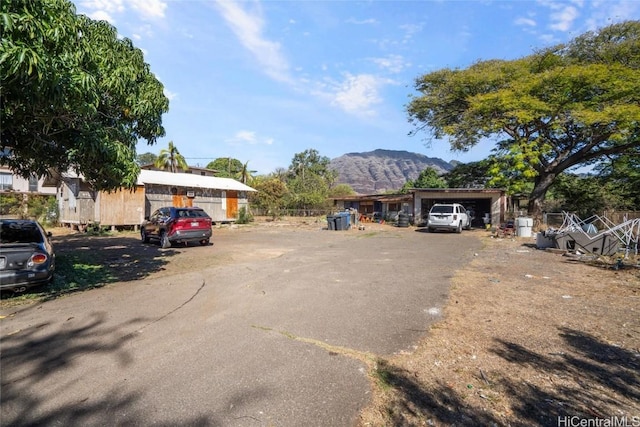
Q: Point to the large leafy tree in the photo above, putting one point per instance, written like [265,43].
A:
[309,180]
[74,95]
[226,167]
[586,195]
[468,175]
[171,159]
[270,196]
[428,178]
[623,173]
[146,158]
[567,106]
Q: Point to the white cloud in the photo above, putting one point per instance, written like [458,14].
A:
[169,94]
[525,22]
[563,14]
[248,28]
[106,10]
[149,9]
[248,137]
[362,21]
[563,19]
[357,94]
[392,63]
[409,31]
[101,15]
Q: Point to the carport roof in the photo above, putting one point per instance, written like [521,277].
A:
[190,180]
[459,190]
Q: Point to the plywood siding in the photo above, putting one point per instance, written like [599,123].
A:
[122,207]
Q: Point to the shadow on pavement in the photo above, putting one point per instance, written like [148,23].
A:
[32,361]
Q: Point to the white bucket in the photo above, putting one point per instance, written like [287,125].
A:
[524,226]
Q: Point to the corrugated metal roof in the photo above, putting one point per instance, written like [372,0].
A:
[190,180]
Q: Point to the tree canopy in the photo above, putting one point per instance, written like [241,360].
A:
[428,178]
[309,180]
[74,95]
[562,107]
[226,167]
[146,158]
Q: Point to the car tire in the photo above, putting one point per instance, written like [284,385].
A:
[429,229]
[204,242]
[459,228]
[164,240]
[144,236]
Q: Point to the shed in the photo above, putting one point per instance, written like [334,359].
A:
[384,206]
[79,204]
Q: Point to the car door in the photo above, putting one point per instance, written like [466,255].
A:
[152,226]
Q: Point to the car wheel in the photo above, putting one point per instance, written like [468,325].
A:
[430,230]
[164,240]
[144,236]
[204,242]
[459,228]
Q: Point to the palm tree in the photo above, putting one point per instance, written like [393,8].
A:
[245,175]
[170,158]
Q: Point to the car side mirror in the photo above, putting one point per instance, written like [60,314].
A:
[49,234]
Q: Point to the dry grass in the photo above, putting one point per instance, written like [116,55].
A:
[528,336]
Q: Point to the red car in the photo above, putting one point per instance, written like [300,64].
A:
[171,225]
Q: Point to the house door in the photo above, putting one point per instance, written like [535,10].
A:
[232,204]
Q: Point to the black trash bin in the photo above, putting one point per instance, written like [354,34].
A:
[339,222]
[331,222]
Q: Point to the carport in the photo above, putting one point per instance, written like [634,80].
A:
[489,201]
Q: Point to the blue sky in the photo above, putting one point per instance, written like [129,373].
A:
[263,80]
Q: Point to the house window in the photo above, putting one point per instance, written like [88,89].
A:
[33,183]
[6,181]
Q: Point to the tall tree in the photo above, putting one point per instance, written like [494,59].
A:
[562,107]
[171,159]
[624,173]
[74,95]
[245,175]
[468,175]
[270,196]
[428,178]
[226,167]
[309,180]
[146,159]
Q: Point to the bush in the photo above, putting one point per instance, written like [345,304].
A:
[244,217]
[40,207]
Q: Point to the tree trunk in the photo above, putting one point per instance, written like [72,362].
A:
[537,196]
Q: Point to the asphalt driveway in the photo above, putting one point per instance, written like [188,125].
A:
[269,326]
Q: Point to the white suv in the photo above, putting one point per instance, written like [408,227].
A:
[449,216]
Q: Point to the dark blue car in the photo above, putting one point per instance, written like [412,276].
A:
[27,258]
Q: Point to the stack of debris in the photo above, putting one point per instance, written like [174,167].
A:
[596,235]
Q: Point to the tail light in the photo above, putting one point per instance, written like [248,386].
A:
[37,259]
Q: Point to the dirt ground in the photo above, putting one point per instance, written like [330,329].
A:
[529,337]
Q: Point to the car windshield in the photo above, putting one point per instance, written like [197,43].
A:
[442,209]
[19,232]
[191,213]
